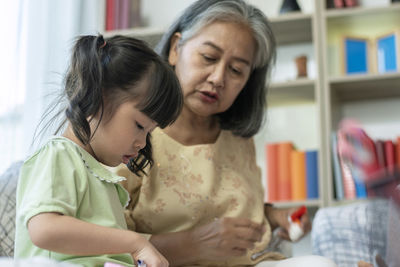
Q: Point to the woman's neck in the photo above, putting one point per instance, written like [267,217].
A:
[191,129]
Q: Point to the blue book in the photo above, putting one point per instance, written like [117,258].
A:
[361,190]
[312,173]
[337,170]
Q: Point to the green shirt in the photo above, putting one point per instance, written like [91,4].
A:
[62,177]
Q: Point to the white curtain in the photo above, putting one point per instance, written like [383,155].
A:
[36,38]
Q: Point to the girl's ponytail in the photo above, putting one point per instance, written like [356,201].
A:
[83,84]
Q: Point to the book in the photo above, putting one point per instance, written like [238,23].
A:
[380,153]
[398,152]
[389,156]
[349,187]
[284,188]
[136,14]
[110,15]
[311,163]
[338,3]
[359,158]
[351,3]
[124,14]
[298,175]
[337,171]
[117,14]
[361,190]
[271,155]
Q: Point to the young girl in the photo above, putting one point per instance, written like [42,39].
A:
[69,207]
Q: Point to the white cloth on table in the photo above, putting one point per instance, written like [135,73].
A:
[33,262]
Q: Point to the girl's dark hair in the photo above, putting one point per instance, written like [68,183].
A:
[110,69]
[246,115]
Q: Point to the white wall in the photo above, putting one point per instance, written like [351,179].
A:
[161,13]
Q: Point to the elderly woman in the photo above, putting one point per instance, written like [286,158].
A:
[202,201]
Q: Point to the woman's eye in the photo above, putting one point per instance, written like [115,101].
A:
[236,71]
[140,127]
[208,58]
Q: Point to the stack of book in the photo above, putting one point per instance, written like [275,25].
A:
[292,175]
[122,14]
[347,184]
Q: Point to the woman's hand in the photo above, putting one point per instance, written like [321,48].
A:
[149,255]
[226,237]
[219,240]
[279,218]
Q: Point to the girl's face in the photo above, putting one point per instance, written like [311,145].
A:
[121,137]
[213,66]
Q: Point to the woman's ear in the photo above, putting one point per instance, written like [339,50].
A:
[173,50]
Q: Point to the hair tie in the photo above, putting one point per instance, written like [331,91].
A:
[103,45]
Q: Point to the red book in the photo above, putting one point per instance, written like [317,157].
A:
[390,156]
[351,3]
[338,3]
[380,153]
[110,15]
[284,156]
[398,152]
[271,154]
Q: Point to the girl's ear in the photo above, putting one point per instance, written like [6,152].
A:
[173,50]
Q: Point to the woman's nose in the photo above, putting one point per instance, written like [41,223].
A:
[217,75]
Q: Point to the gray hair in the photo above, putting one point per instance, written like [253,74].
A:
[246,115]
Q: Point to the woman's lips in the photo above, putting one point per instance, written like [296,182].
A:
[209,97]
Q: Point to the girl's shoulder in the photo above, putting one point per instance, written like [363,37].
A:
[56,146]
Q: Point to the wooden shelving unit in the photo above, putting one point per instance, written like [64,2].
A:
[343,90]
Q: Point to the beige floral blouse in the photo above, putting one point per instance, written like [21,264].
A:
[190,186]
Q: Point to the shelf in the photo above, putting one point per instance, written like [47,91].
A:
[344,202]
[148,34]
[288,29]
[364,87]
[291,92]
[339,13]
[308,203]
[292,28]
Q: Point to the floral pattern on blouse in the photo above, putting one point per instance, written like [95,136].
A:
[190,186]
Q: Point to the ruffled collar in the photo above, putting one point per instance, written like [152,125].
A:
[98,170]
[94,167]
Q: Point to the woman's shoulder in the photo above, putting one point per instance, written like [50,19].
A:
[229,136]
[229,142]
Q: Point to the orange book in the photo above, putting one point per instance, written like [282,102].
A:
[284,154]
[271,155]
[298,175]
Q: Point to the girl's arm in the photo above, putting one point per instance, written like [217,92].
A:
[68,235]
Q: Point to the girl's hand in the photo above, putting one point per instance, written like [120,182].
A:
[279,218]
[226,237]
[150,255]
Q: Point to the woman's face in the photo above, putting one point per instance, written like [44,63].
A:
[213,66]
